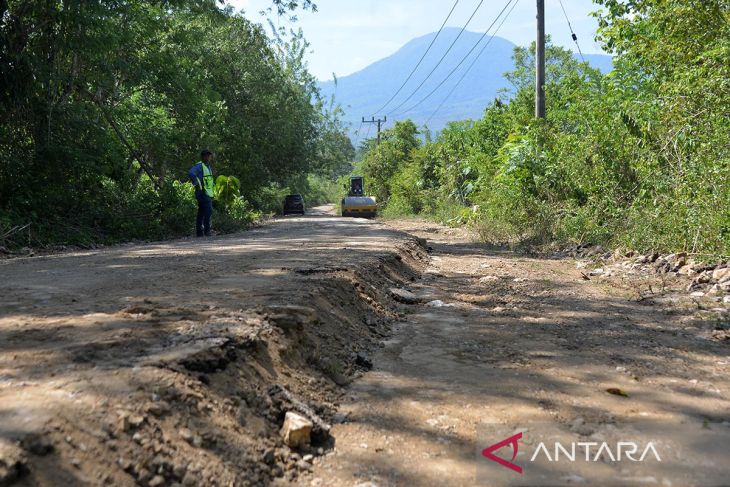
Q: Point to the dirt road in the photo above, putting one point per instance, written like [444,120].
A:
[528,343]
[174,363]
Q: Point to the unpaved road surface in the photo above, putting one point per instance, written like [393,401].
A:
[528,343]
[174,363]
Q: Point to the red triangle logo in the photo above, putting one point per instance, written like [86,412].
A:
[489,452]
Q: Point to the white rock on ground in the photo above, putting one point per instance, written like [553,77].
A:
[437,303]
[721,274]
[297,430]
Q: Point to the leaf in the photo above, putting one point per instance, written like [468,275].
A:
[616,392]
[227,189]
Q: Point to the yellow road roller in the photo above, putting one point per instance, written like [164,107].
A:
[356,203]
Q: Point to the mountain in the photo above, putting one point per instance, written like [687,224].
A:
[364,93]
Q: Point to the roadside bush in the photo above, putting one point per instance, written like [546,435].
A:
[269,200]
[178,208]
[407,195]
[320,190]
[637,158]
[238,215]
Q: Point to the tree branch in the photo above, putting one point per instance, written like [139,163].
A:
[137,154]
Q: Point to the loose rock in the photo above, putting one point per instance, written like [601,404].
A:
[721,274]
[489,279]
[157,481]
[404,296]
[186,435]
[297,430]
[704,278]
[302,465]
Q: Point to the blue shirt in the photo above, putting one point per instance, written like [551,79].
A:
[196,174]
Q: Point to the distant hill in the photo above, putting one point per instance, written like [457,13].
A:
[364,92]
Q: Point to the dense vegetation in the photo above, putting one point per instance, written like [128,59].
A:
[106,104]
[638,158]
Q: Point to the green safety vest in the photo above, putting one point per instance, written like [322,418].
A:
[208,184]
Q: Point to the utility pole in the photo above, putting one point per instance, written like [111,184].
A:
[540,61]
[378,121]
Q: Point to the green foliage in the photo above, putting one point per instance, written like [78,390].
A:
[270,199]
[237,215]
[637,158]
[320,190]
[227,190]
[98,126]
[383,161]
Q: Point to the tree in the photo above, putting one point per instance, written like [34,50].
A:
[382,163]
[105,104]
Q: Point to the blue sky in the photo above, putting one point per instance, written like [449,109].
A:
[348,35]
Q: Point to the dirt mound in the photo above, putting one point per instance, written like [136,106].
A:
[199,396]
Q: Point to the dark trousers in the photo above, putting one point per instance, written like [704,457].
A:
[205,212]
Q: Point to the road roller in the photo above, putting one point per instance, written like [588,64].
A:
[356,204]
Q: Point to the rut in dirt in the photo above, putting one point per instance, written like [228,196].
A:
[498,342]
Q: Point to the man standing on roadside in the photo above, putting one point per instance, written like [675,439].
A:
[201,175]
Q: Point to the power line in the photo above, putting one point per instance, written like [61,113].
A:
[572,33]
[473,62]
[413,71]
[442,58]
[380,123]
[462,59]
[357,141]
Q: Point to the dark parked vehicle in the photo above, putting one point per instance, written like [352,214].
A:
[294,203]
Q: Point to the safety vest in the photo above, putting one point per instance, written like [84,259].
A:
[208,183]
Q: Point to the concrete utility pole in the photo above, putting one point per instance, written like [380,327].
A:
[540,61]
[378,121]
